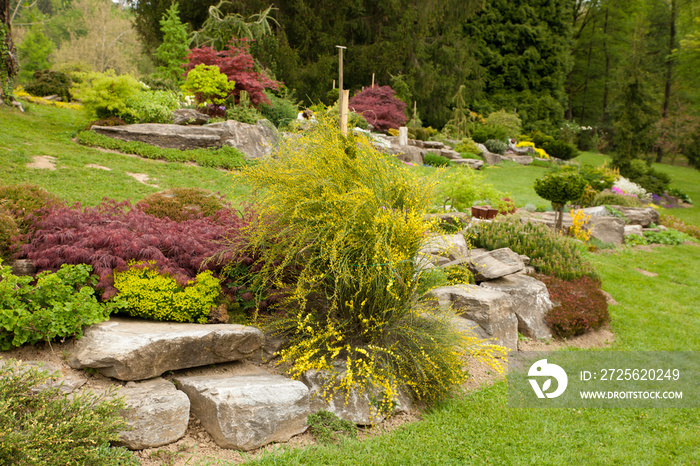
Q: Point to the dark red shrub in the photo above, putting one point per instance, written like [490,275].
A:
[111,234]
[238,64]
[580,306]
[380,108]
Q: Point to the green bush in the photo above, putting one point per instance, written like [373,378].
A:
[282,109]
[8,232]
[244,114]
[496,146]
[540,139]
[180,204]
[59,305]
[598,178]
[41,425]
[480,135]
[224,157]
[507,123]
[339,225]
[549,253]
[208,85]
[151,107]
[610,198]
[47,82]
[460,189]
[468,146]
[559,188]
[560,150]
[436,160]
[104,95]
[153,295]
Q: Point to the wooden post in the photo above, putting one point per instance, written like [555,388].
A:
[415,110]
[344,113]
[341,95]
[334,84]
[373,80]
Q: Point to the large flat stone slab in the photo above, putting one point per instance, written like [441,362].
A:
[248,411]
[132,349]
[255,141]
[486,267]
[165,135]
[157,412]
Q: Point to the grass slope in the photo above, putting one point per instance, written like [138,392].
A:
[47,131]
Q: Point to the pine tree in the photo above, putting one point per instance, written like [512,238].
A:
[172,53]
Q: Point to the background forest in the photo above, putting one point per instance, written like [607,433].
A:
[626,68]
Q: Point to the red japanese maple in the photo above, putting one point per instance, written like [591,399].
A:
[380,108]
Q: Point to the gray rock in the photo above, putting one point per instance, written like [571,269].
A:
[486,267]
[255,141]
[532,302]
[608,229]
[166,136]
[521,159]
[65,384]
[23,267]
[597,211]
[634,230]
[411,154]
[403,136]
[433,145]
[491,312]
[482,148]
[509,257]
[643,216]
[449,246]
[450,154]
[131,349]
[248,411]
[188,116]
[471,163]
[491,158]
[157,412]
[454,219]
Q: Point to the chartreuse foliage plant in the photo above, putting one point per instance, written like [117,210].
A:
[560,188]
[151,294]
[59,305]
[339,224]
[105,94]
[208,85]
[41,425]
[460,189]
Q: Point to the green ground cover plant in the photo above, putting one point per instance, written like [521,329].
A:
[45,426]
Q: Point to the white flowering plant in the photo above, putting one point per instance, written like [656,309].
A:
[630,188]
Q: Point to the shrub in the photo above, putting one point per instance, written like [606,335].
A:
[282,109]
[669,237]
[469,146]
[458,275]
[610,198]
[224,157]
[9,232]
[540,139]
[353,219]
[152,106]
[47,82]
[670,221]
[380,108]
[679,194]
[480,135]
[560,188]
[496,146]
[180,204]
[238,65]
[560,150]
[208,85]
[598,178]
[509,122]
[549,253]
[111,234]
[580,306]
[460,189]
[151,294]
[326,427]
[111,121]
[42,425]
[24,201]
[59,305]
[423,134]
[437,160]
[105,94]
[641,173]
[242,112]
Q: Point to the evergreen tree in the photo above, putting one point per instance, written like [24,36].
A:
[172,53]
[34,52]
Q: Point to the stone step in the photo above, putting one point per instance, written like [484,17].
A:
[134,349]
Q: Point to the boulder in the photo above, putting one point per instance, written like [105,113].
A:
[509,257]
[489,311]
[482,148]
[255,141]
[164,135]
[521,159]
[410,154]
[608,229]
[531,300]
[248,411]
[471,163]
[643,216]
[486,267]
[157,412]
[634,230]
[433,145]
[450,154]
[188,116]
[132,349]
[452,219]
[491,158]
[450,246]
[23,267]
[597,211]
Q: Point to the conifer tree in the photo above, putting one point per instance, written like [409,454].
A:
[172,53]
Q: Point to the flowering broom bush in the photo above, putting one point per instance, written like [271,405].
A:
[338,227]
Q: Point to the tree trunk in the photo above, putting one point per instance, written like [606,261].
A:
[607,63]
[669,69]
[8,54]
[559,216]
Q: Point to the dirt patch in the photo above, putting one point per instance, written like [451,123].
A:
[43,162]
[99,167]
[142,178]
[601,338]
[646,272]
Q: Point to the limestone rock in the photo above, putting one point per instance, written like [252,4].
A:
[189,116]
[164,135]
[433,145]
[532,302]
[450,246]
[482,148]
[507,256]
[248,411]
[65,384]
[471,163]
[491,311]
[23,267]
[157,412]
[596,211]
[634,230]
[450,154]
[411,154]
[255,141]
[403,136]
[486,267]
[643,216]
[132,349]
[452,219]
[521,159]
[491,158]
[608,229]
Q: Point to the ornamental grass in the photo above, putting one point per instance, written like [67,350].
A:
[338,227]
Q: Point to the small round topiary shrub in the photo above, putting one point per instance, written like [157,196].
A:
[496,146]
[560,188]
[180,204]
[579,306]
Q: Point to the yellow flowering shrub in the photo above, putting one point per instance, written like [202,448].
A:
[339,224]
[153,295]
[540,152]
[21,94]
[579,227]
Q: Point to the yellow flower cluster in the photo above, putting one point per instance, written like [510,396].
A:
[540,152]
[20,93]
[579,228]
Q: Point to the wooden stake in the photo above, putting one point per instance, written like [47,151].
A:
[341,93]
[344,113]
[415,110]
[334,84]
[372,80]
